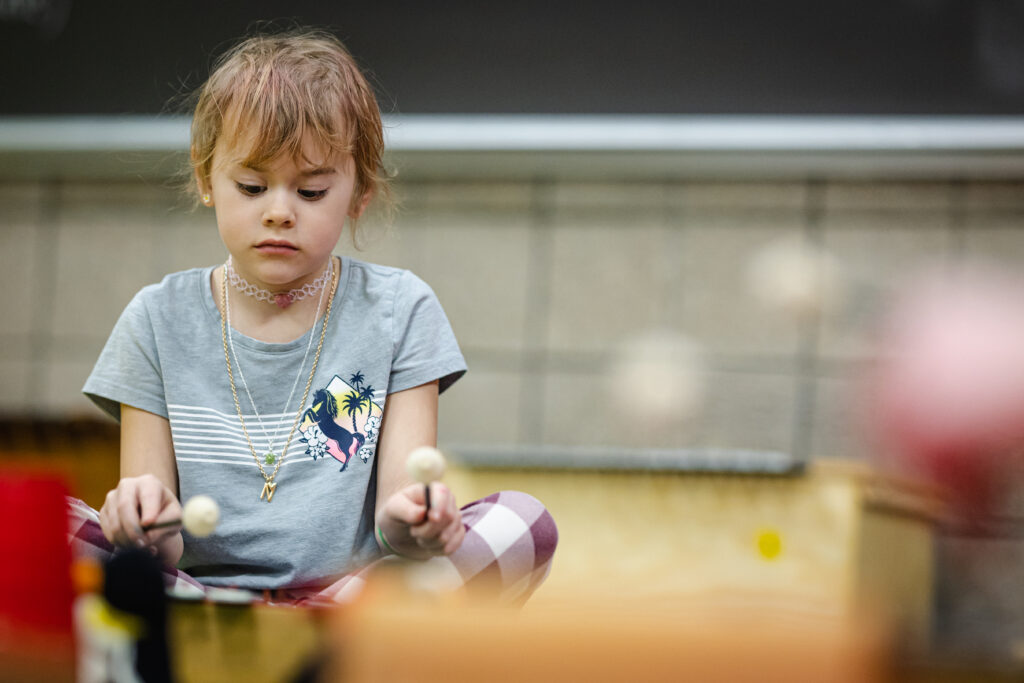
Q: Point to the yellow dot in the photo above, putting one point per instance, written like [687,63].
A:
[769,544]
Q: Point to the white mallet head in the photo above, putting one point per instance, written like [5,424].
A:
[425,464]
[200,516]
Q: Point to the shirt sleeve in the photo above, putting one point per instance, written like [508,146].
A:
[128,369]
[425,348]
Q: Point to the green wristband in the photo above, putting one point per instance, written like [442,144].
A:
[384,542]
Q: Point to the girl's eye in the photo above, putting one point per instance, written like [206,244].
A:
[312,194]
[251,190]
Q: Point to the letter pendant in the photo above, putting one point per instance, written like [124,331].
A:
[268,490]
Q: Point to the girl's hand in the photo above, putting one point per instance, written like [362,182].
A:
[412,531]
[136,502]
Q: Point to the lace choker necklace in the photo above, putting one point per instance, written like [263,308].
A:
[282,299]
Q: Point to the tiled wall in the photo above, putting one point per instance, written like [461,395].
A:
[542,282]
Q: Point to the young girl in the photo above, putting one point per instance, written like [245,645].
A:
[287,383]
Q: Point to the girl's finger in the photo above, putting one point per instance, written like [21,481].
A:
[151,503]
[171,512]
[117,534]
[441,496]
[155,536]
[424,532]
[401,508]
[456,523]
[433,527]
[447,533]
[128,518]
[431,544]
[456,540]
[415,493]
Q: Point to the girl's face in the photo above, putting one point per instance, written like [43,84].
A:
[281,222]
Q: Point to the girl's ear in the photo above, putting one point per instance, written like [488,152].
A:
[359,205]
[204,189]
[202,182]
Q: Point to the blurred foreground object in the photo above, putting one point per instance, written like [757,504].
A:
[222,642]
[106,636]
[711,530]
[389,636]
[708,567]
[133,586]
[82,452]
[36,595]
[947,397]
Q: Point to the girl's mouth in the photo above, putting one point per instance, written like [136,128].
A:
[276,247]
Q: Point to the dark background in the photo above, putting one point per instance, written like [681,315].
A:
[700,57]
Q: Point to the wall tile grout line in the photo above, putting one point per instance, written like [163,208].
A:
[44,266]
[538,280]
[958,226]
[674,220]
[597,362]
[808,345]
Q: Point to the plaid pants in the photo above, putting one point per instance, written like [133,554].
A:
[509,544]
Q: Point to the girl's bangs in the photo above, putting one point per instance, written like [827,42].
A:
[286,125]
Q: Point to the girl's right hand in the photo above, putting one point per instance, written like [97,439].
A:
[136,502]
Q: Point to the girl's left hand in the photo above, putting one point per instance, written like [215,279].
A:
[409,526]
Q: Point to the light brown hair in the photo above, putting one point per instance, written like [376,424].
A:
[277,89]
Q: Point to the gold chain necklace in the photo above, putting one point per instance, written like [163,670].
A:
[269,484]
[270,458]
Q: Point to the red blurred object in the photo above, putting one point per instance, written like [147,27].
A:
[948,395]
[36,594]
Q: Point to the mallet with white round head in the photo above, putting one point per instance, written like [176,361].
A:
[199,517]
[425,464]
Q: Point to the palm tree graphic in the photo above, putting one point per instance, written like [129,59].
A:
[353,405]
[355,399]
[366,394]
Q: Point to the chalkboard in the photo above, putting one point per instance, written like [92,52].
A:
[637,56]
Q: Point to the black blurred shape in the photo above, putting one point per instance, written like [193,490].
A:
[133,583]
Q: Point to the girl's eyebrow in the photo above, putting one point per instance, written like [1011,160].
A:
[319,170]
[315,171]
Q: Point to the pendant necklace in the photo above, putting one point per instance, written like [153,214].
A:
[271,456]
[270,484]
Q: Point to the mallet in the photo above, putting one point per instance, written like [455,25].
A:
[199,517]
[425,464]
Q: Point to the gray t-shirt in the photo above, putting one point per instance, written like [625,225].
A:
[387,333]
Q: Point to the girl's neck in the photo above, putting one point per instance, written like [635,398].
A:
[265,321]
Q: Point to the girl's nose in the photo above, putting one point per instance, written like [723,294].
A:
[278,214]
